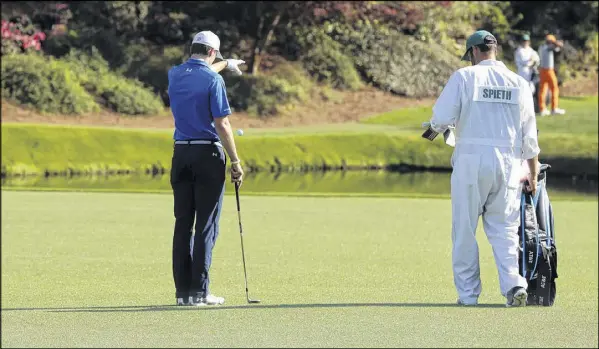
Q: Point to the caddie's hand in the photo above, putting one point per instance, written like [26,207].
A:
[233,65]
[532,185]
[236,173]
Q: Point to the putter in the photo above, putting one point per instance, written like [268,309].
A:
[247,296]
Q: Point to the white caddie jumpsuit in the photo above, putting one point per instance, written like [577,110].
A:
[522,58]
[495,129]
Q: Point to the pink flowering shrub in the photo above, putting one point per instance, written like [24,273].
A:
[20,36]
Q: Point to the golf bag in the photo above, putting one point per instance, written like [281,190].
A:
[538,253]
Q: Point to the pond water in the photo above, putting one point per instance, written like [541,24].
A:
[375,183]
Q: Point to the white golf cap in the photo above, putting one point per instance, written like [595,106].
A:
[210,39]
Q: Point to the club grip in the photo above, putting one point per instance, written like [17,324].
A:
[237,195]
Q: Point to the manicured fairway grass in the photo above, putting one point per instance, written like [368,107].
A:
[93,269]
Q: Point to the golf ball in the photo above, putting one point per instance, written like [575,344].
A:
[240,132]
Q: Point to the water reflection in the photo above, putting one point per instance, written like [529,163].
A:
[332,182]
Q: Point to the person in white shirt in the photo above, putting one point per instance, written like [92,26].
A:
[526,59]
[492,111]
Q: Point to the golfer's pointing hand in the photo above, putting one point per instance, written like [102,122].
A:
[233,65]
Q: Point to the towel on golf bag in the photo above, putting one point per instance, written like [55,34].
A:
[538,252]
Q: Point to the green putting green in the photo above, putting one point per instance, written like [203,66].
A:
[93,270]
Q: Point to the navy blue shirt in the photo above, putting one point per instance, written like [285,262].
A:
[197,96]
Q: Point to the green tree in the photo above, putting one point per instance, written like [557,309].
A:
[574,21]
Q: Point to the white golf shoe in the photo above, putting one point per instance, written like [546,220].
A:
[516,297]
[558,111]
[545,112]
[213,300]
[207,300]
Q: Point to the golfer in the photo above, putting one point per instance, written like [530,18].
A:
[200,108]
[495,129]
[548,79]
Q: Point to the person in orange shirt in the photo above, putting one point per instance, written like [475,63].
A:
[548,79]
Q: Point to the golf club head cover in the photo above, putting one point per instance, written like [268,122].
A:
[449,137]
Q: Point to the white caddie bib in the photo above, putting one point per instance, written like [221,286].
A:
[497,94]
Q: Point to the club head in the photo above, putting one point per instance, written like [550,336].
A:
[253,301]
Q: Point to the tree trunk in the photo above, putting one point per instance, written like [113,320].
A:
[262,43]
[256,49]
[255,65]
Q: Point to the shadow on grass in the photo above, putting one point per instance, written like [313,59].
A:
[151,308]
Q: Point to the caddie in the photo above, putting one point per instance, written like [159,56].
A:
[492,111]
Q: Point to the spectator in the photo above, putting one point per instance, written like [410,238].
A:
[527,59]
[548,79]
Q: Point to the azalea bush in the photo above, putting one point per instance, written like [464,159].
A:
[19,36]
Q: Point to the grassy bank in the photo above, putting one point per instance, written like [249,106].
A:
[38,149]
[581,118]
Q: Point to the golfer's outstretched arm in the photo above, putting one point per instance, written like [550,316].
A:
[230,64]
[219,66]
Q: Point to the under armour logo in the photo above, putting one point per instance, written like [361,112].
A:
[188,70]
[214,154]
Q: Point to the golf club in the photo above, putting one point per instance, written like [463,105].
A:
[251,301]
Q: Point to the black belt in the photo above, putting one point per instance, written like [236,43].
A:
[199,141]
